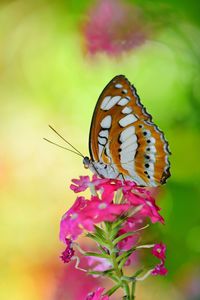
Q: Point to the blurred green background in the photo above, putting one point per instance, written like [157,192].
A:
[49,75]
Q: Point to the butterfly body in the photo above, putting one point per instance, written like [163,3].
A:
[124,142]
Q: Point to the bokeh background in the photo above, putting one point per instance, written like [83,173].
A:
[55,58]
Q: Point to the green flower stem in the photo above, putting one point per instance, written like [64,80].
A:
[133,290]
[118,271]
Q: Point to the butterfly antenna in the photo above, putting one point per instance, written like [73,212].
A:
[61,146]
[66,141]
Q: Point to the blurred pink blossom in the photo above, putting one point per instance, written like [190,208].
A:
[97,295]
[99,263]
[80,185]
[72,283]
[113,26]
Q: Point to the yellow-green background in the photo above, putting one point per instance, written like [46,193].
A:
[46,77]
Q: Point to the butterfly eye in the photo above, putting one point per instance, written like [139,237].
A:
[86,162]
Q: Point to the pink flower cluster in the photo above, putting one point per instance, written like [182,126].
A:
[68,253]
[113,26]
[159,252]
[137,204]
[121,208]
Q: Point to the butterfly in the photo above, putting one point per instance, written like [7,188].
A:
[124,142]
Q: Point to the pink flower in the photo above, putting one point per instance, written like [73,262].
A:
[69,282]
[85,213]
[159,251]
[159,269]
[131,224]
[101,210]
[73,218]
[97,295]
[81,184]
[147,203]
[113,27]
[68,253]
[108,187]
[128,186]
[98,263]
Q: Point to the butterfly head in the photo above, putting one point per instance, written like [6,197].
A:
[86,162]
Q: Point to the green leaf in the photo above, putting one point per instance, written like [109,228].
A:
[124,256]
[113,277]
[97,254]
[99,231]
[114,232]
[108,226]
[98,240]
[101,248]
[138,272]
[107,273]
[122,262]
[132,278]
[123,236]
[127,278]
[119,222]
[96,273]
[113,289]
[94,237]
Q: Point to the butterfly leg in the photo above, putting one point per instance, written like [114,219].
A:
[120,174]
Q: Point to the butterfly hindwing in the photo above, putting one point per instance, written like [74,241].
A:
[124,139]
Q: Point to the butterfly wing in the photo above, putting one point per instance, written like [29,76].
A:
[122,135]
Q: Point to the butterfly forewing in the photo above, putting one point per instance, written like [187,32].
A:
[124,140]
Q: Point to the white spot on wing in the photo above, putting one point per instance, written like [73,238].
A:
[105,102]
[147,133]
[152,149]
[106,122]
[127,157]
[151,158]
[103,133]
[130,141]
[126,133]
[118,86]
[152,141]
[100,149]
[129,119]
[150,168]
[102,140]
[111,102]
[127,110]
[123,101]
